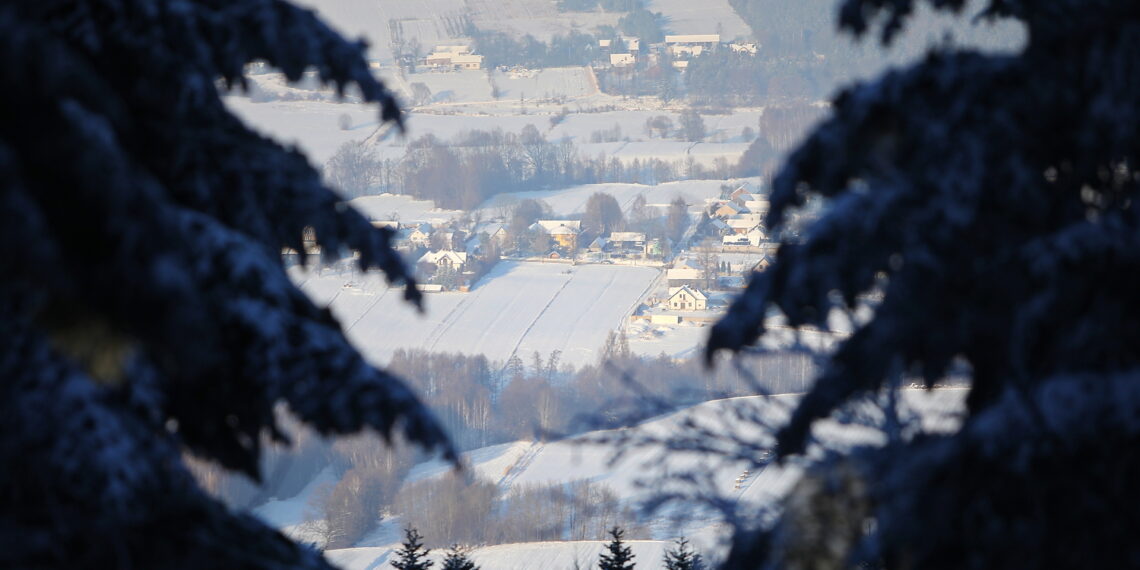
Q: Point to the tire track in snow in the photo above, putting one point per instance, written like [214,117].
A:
[366,311]
[526,331]
[597,299]
[445,323]
[521,464]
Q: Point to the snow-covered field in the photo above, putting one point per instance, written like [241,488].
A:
[519,308]
[539,18]
[313,126]
[429,22]
[708,17]
[403,208]
[555,82]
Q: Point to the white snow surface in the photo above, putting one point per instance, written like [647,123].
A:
[402,207]
[539,18]
[430,22]
[708,17]
[518,308]
[289,514]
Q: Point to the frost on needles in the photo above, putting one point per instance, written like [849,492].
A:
[143,303]
[991,200]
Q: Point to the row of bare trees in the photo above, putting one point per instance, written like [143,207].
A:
[451,509]
[463,172]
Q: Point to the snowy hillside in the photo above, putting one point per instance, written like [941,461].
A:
[587,457]
[646,468]
[518,308]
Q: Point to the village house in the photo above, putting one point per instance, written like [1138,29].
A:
[690,43]
[753,238]
[761,265]
[728,209]
[598,245]
[743,224]
[628,242]
[563,232]
[687,298]
[738,192]
[456,56]
[685,272]
[420,235]
[496,231]
[445,258]
[622,59]
[719,227]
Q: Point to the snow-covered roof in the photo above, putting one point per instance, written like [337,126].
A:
[693,39]
[695,293]
[684,271]
[557,227]
[729,206]
[435,257]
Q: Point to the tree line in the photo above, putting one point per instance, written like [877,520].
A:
[413,554]
[463,172]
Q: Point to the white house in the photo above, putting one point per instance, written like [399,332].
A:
[742,224]
[420,235]
[564,232]
[467,61]
[445,258]
[628,242]
[497,231]
[687,298]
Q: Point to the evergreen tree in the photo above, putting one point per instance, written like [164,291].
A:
[457,559]
[991,200]
[412,554]
[681,557]
[144,305]
[618,555]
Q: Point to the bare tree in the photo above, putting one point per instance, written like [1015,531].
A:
[353,169]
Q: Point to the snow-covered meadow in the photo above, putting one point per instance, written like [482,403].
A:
[519,308]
